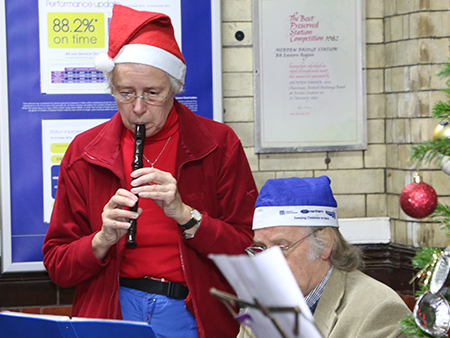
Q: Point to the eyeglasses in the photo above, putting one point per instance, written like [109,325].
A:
[255,248]
[149,97]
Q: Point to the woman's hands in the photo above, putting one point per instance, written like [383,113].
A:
[162,187]
[116,221]
[147,183]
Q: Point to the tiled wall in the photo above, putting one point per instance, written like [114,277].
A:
[407,42]
[416,47]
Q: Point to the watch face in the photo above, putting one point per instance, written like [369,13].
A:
[196,215]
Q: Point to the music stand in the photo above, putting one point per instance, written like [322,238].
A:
[23,325]
[230,301]
[266,288]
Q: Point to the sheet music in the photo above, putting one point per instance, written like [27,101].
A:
[268,278]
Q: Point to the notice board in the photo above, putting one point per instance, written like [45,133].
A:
[309,75]
[50,92]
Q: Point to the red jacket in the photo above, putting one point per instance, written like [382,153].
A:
[213,176]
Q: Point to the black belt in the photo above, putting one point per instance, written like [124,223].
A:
[169,289]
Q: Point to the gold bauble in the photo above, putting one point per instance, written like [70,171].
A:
[442,130]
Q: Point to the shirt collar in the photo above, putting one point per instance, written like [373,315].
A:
[313,297]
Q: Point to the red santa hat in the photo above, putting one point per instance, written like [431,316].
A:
[142,37]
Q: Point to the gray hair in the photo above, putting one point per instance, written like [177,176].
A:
[175,85]
[344,255]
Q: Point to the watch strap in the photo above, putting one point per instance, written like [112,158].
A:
[189,225]
[193,221]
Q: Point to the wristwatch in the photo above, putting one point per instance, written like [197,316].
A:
[196,217]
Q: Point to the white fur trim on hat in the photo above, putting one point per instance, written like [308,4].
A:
[103,62]
[303,215]
[152,56]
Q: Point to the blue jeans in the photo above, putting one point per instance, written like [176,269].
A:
[168,317]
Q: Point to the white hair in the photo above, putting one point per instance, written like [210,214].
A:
[175,85]
[344,255]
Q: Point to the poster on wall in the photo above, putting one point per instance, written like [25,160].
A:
[71,34]
[51,92]
[309,75]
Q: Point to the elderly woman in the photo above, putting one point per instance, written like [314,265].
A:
[196,196]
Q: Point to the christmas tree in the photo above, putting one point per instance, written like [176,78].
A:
[425,320]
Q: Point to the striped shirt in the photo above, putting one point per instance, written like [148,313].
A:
[313,297]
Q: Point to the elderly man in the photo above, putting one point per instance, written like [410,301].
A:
[196,195]
[299,216]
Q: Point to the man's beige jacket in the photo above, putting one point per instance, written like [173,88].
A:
[354,305]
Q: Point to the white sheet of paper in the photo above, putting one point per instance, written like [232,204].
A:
[268,278]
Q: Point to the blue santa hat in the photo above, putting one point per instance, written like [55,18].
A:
[295,201]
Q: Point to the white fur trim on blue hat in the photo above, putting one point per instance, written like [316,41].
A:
[152,56]
[303,215]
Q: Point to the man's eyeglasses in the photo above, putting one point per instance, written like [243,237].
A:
[256,248]
[148,97]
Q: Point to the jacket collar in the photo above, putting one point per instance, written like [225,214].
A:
[196,141]
[105,149]
[325,316]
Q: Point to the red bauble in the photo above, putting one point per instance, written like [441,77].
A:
[418,200]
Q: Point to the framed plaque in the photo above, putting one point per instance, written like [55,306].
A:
[309,75]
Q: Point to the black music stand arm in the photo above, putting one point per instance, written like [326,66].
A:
[229,299]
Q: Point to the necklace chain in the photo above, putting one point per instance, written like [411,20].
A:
[153,163]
